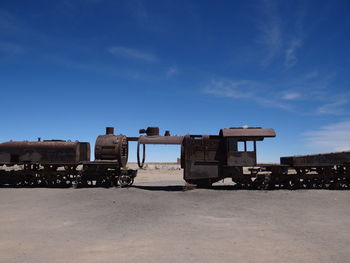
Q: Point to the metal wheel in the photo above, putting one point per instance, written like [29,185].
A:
[125,181]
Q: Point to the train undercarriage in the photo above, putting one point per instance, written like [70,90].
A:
[271,177]
[88,174]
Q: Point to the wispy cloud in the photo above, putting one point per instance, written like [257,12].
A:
[291,95]
[332,137]
[279,39]
[290,52]
[131,53]
[296,39]
[244,90]
[336,107]
[310,93]
[270,32]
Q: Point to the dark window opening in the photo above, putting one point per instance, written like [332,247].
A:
[232,145]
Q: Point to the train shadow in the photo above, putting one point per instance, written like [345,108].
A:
[185,188]
[167,188]
[163,188]
[55,186]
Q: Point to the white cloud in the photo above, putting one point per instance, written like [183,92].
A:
[291,95]
[333,137]
[131,53]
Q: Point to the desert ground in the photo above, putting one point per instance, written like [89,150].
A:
[160,220]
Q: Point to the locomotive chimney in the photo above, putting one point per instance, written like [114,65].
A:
[109,130]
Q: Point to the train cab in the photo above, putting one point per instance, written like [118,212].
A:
[210,158]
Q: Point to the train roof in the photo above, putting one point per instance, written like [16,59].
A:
[254,134]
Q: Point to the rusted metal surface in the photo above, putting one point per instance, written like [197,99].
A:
[325,159]
[209,158]
[54,151]
[150,131]
[152,137]
[161,139]
[257,134]
[132,139]
[205,159]
[112,147]
[55,163]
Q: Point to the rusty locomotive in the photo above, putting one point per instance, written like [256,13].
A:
[65,163]
[207,159]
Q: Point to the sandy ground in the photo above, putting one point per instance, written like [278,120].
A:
[157,221]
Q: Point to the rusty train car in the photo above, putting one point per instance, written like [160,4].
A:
[65,163]
[206,159]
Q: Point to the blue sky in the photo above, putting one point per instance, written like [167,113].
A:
[69,68]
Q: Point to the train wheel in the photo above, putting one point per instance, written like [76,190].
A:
[107,182]
[266,183]
[125,181]
[339,185]
[259,181]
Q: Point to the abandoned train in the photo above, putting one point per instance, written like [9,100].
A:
[66,163]
[205,159]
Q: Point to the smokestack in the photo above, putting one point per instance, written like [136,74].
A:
[109,130]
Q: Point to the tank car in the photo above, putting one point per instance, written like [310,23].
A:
[44,152]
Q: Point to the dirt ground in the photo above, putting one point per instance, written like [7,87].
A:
[157,221]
